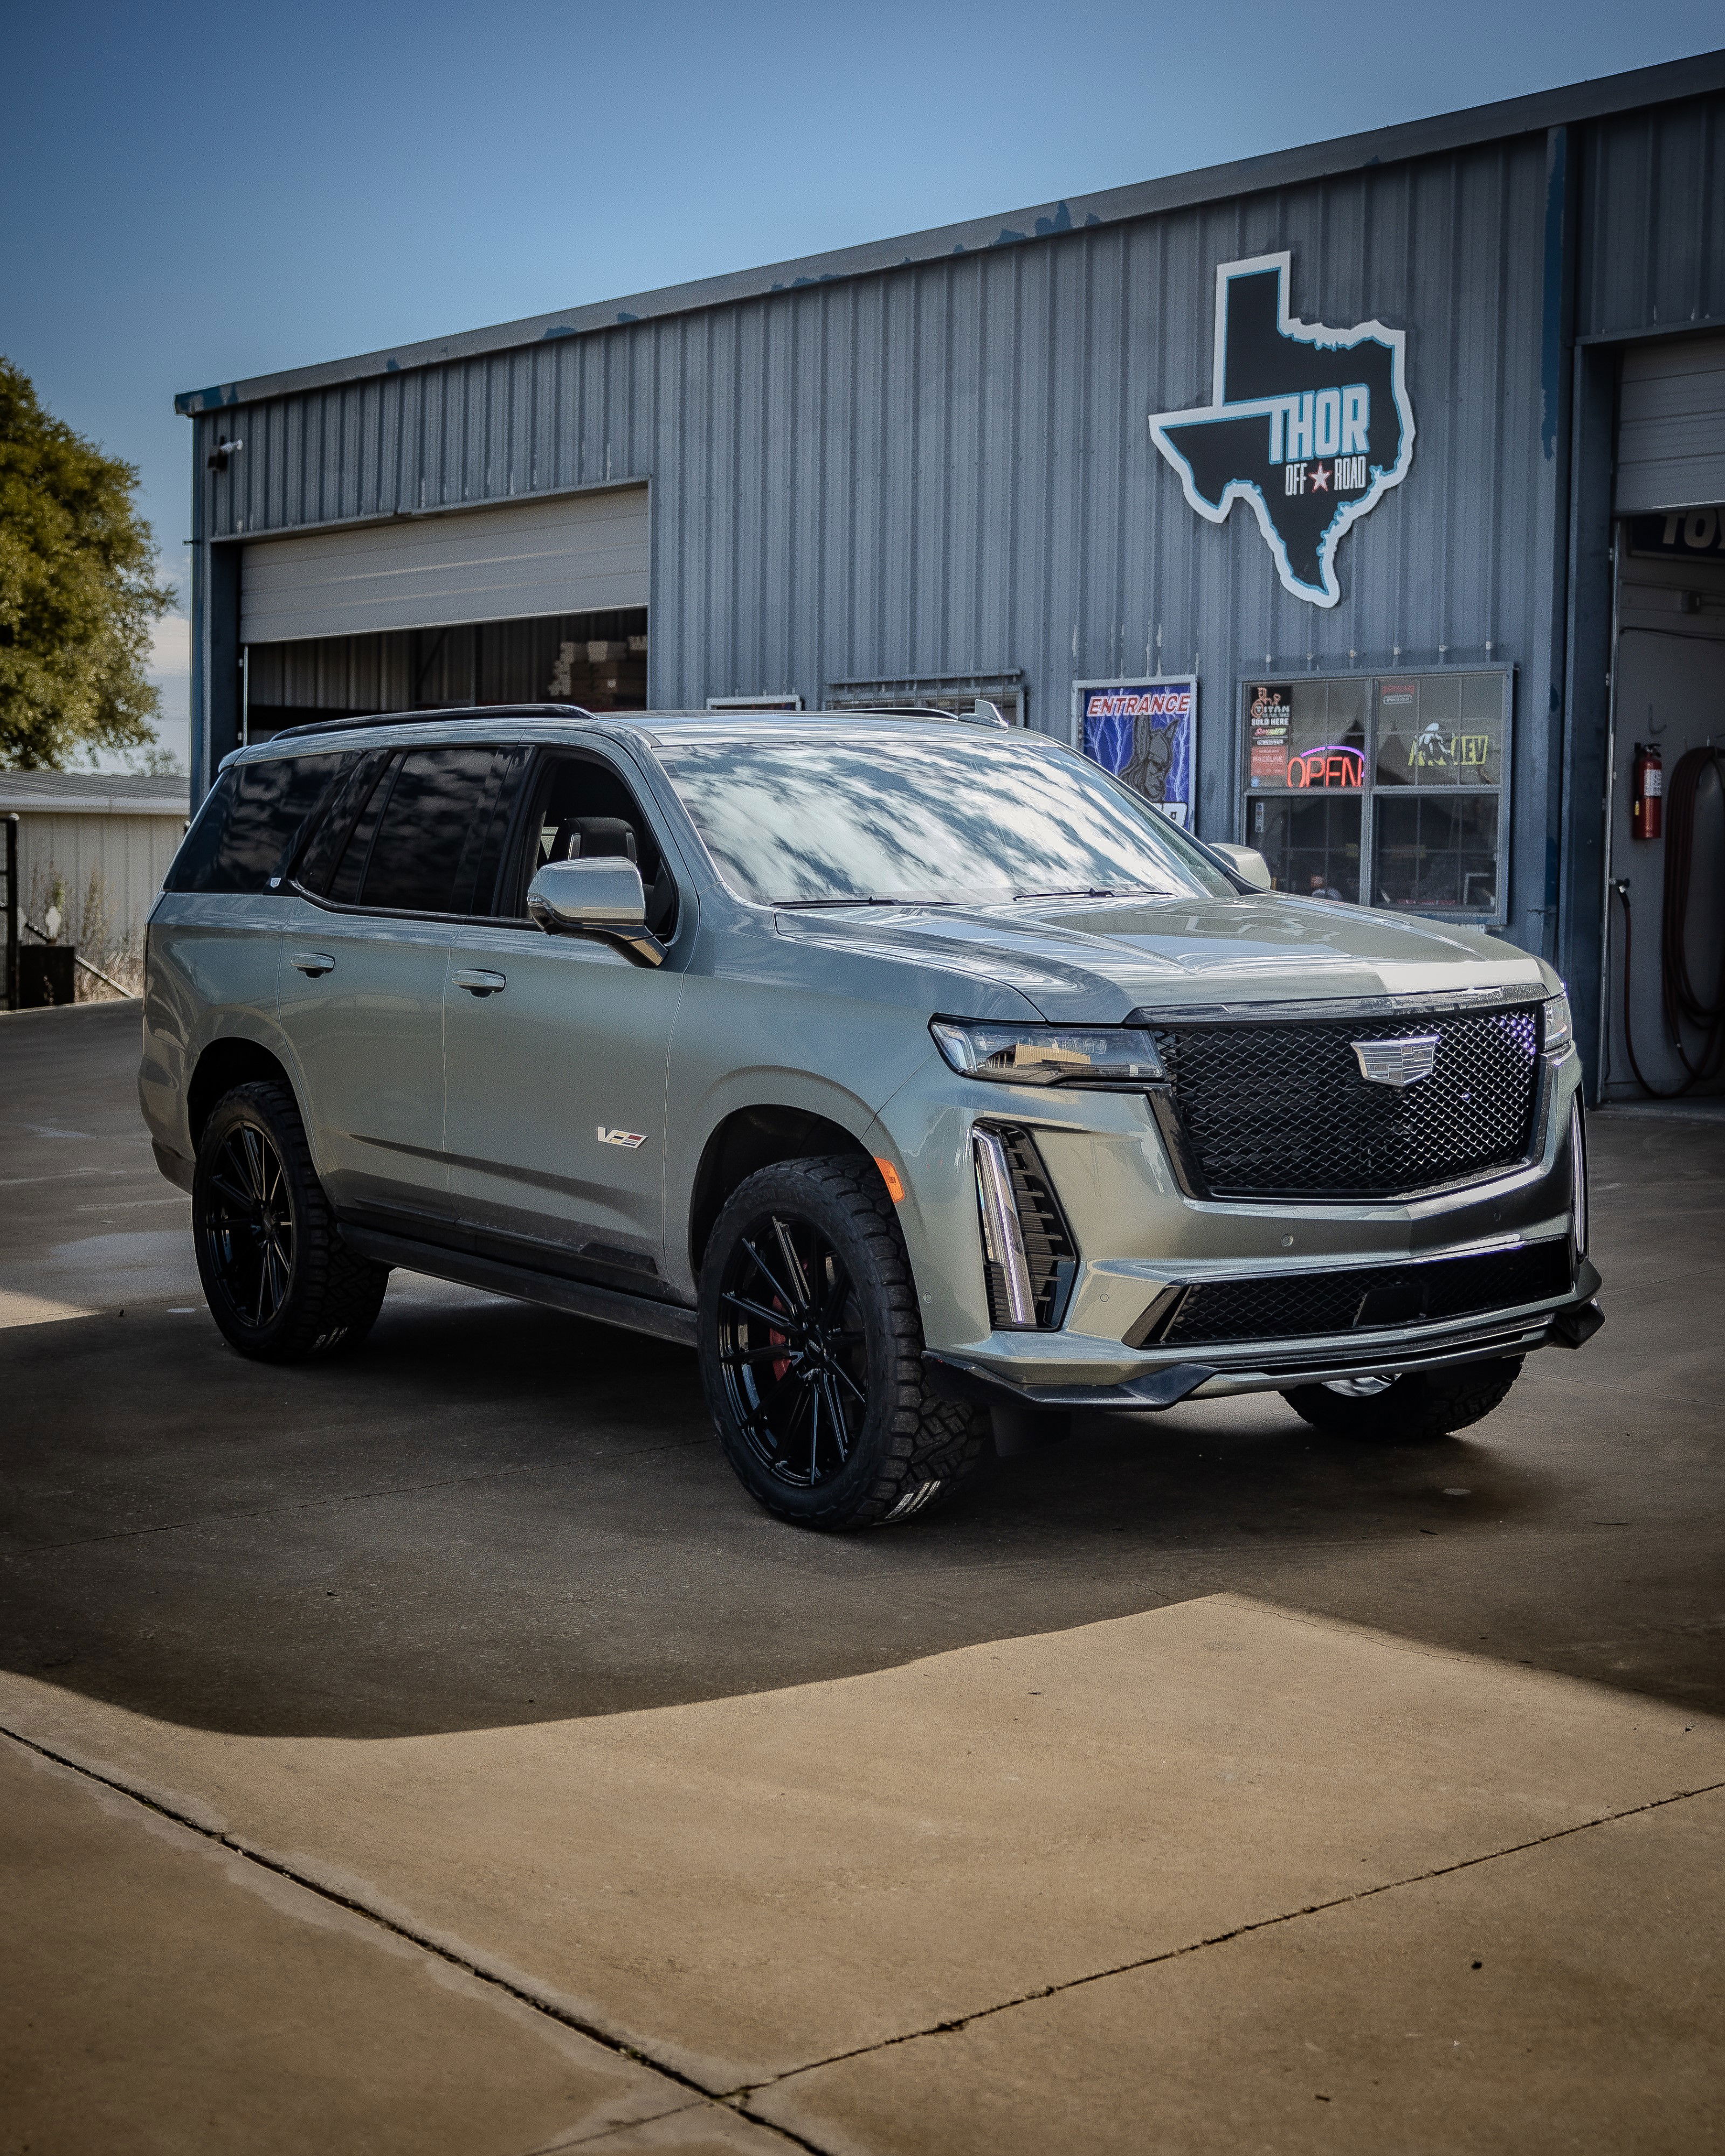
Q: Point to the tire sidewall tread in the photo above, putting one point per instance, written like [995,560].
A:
[1418,1406]
[333,1295]
[912,1442]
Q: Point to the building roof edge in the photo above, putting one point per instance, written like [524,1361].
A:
[1664,83]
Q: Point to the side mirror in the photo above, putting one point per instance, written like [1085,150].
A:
[1245,862]
[602,898]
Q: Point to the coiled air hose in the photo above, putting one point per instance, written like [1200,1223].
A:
[1681,1001]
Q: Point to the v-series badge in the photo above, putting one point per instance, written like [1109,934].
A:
[629,1139]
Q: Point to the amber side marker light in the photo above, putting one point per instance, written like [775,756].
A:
[889,1176]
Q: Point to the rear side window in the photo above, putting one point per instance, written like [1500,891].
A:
[251,823]
[417,844]
[347,803]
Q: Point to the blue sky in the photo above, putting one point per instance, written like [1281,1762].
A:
[194,195]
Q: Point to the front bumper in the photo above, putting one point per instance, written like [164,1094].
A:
[1269,1366]
[1141,1239]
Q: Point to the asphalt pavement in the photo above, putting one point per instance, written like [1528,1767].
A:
[437,1749]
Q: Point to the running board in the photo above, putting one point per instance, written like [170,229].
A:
[636,1313]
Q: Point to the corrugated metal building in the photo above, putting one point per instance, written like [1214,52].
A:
[925,468]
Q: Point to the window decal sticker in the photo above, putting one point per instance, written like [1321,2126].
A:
[1310,425]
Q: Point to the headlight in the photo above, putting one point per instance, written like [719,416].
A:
[1559,1029]
[1047,1054]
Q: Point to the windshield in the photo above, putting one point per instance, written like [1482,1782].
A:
[871,816]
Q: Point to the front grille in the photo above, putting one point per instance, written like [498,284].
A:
[1282,1110]
[1269,1308]
[1050,1255]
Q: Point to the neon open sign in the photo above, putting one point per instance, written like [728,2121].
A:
[1330,766]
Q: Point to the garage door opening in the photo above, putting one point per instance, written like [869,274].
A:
[540,600]
[1666,932]
[597,660]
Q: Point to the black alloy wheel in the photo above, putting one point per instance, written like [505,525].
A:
[811,1353]
[248,1227]
[279,1281]
[791,1344]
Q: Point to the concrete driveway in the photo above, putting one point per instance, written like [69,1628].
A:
[437,1751]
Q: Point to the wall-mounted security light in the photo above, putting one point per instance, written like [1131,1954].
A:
[218,458]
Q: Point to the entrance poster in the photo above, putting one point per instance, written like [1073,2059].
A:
[1146,733]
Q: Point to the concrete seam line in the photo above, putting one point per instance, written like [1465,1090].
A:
[729,2099]
[963,2021]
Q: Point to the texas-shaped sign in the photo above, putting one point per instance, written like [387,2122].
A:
[1311,425]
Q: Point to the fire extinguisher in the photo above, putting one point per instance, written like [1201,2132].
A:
[1647,792]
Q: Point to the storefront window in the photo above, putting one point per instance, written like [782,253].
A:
[1385,790]
[1311,841]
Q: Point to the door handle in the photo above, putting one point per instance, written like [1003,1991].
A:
[478,982]
[312,963]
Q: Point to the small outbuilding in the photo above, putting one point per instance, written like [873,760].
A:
[93,848]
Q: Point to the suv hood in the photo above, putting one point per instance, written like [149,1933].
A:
[1093,962]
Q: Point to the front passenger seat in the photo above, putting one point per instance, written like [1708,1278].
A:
[591,837]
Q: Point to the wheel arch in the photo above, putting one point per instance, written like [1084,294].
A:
[225,1063]
[747,1140]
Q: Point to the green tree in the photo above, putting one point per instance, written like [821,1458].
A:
[78,594]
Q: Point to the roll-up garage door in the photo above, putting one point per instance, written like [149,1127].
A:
[575,554]
[1671,435]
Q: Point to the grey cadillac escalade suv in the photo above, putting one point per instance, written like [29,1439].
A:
[906,1067]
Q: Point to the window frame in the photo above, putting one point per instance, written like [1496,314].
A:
[514,872]
[1373,677]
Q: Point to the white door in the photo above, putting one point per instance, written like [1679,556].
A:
[562,555]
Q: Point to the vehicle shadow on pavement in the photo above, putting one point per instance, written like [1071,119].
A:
[494,1514]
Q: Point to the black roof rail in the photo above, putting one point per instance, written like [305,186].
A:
[978,717]
[450,711]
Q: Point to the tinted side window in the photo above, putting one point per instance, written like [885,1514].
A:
[251,823]
[347,803]
[424,855]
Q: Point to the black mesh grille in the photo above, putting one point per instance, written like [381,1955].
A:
[1282,1110]
[1366,1296]
[1050,1254]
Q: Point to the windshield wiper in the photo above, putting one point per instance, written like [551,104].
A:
[785,904]
[1128,891]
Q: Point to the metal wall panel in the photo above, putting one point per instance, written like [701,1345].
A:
[571,553]
[1670,425]
[1653,257]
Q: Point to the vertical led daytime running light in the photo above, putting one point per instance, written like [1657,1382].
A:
[1003,1237]
[1578,1176]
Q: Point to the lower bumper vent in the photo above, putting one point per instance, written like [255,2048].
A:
[1364,1296]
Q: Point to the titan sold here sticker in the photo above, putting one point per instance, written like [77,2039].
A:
[1311,426]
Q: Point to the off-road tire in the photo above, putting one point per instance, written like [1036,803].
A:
[913,1451]
[1418,1406]
[332,1296]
